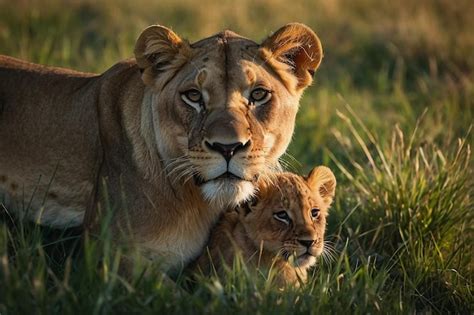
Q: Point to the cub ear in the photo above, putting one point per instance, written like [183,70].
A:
[298,46]
[156,50]
[322,180]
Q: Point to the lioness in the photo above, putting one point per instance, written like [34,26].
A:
[282,228]
[159,139]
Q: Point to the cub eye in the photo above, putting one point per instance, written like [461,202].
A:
[282,216]
[260,96]
[314,213]
[193,98]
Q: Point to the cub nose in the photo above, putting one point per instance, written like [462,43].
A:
[306,243]
[227,150]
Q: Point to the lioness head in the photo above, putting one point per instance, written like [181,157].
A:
[223,109]
[288,216]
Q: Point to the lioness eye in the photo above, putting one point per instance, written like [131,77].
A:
[193,98]
[260,96]
[193,95]
[282,216]
[314,213]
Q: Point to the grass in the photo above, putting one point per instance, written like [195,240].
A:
[402,223]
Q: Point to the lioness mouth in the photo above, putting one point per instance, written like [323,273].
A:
[227,175]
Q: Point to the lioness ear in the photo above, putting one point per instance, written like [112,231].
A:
[157,50]
[322,180]
[296,45]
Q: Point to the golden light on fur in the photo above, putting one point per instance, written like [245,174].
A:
[296,46]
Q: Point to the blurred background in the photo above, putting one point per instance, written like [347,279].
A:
[389,60]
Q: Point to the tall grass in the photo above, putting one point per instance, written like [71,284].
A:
[414,211]
[401,230]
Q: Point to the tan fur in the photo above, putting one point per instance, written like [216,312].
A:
[253,232]
[75,145]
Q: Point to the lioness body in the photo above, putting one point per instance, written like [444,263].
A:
[132,140]
[283,228]
[49,126]
[52,170]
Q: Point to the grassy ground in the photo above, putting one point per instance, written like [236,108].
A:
[390,112]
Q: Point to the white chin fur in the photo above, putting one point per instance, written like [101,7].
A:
[223,193]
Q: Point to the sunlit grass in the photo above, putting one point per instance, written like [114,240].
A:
[401,229]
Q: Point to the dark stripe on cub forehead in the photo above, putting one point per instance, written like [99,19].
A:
[301,190]
[292,187]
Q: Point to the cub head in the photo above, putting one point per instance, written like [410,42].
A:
[288,216]
[222,110]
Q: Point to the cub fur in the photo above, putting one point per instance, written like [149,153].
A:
[157,140]
[283,228]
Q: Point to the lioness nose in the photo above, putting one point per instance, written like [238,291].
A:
[306,243]
[227,150]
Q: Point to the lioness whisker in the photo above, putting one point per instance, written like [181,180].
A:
[183,172]
[179,167]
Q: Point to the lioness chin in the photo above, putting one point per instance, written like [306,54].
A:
[159,140]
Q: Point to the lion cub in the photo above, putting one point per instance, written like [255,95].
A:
[282,228]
